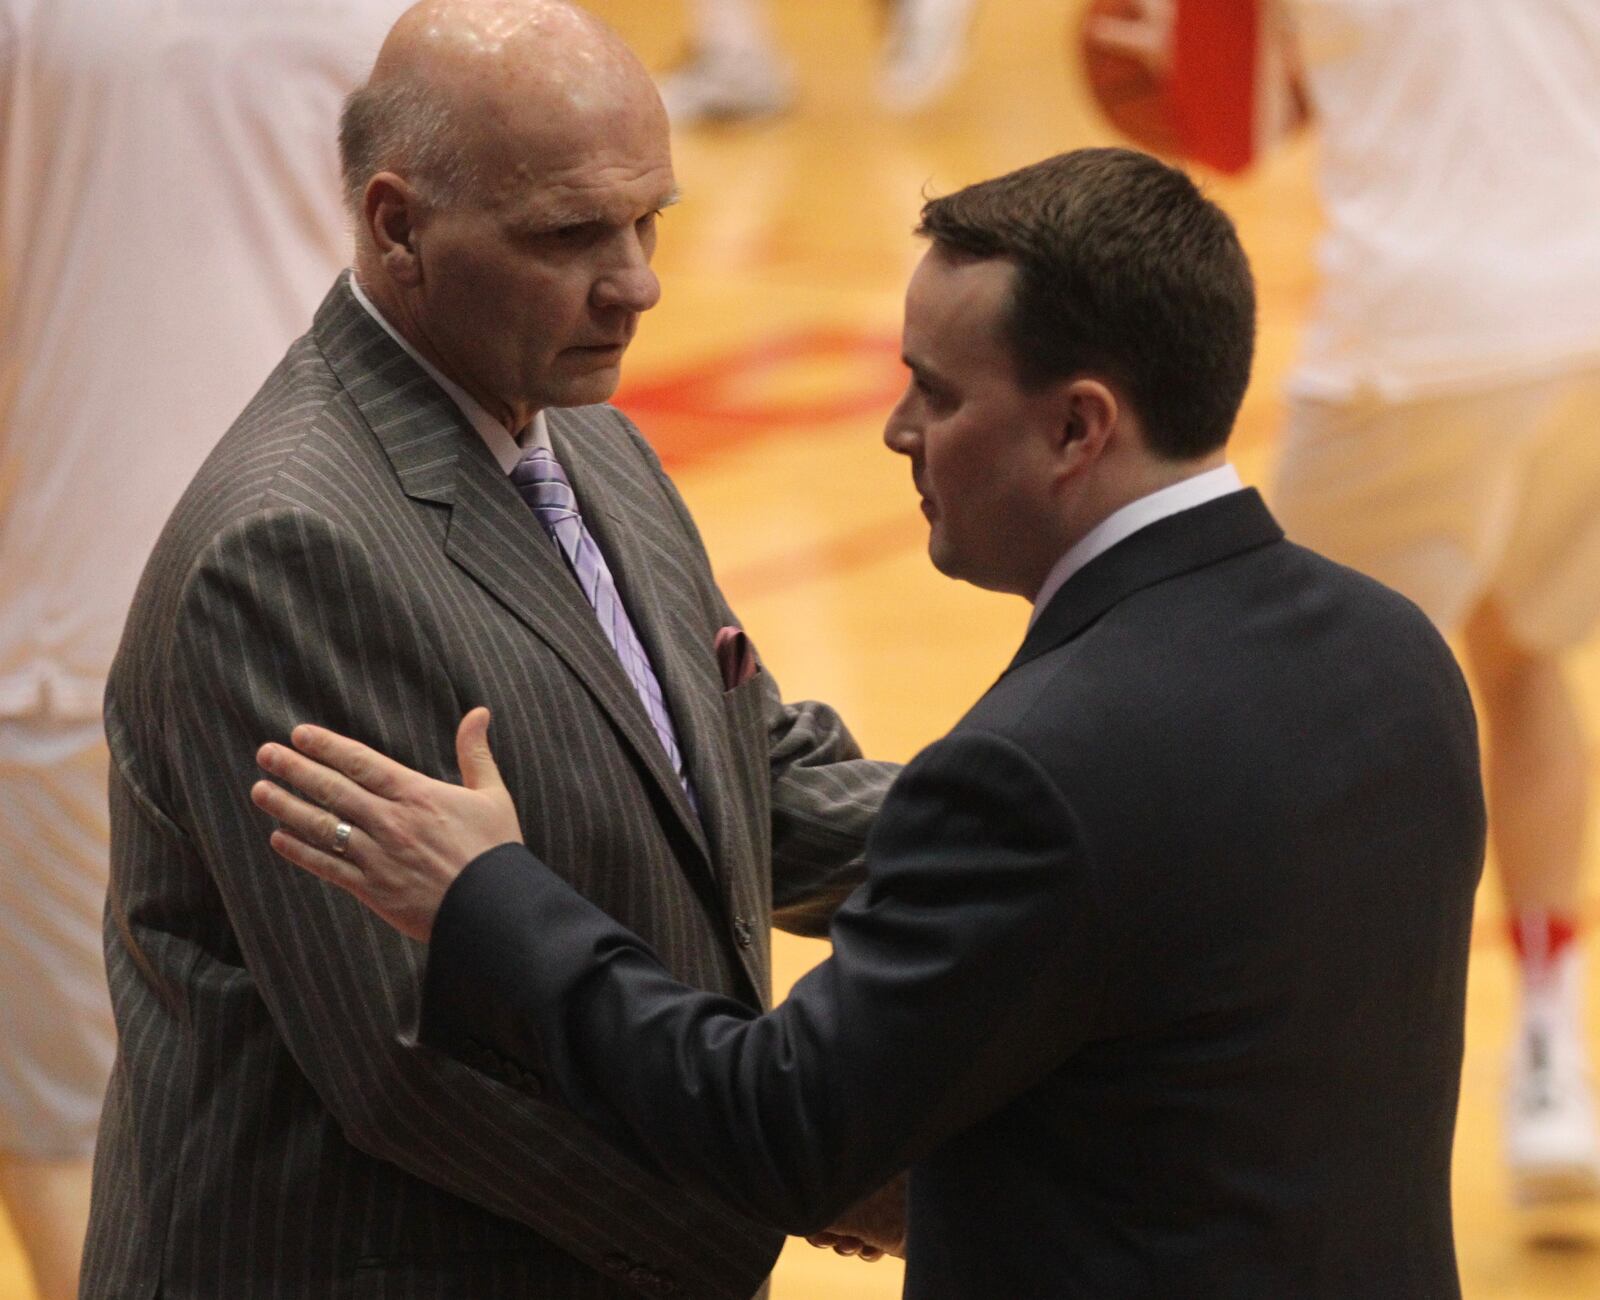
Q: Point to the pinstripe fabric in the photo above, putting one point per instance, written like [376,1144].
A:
[350,553]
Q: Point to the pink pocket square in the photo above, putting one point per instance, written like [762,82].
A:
[736,657]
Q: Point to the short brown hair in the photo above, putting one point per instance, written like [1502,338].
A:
[1124,270]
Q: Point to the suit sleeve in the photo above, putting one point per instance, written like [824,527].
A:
[968,967]
[286,619]
[825,798]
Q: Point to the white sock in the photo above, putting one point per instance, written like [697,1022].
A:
[1552,998]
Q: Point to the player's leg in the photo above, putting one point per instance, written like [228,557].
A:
[56,1035]
[1537,774]
[733,71]
[1537,767]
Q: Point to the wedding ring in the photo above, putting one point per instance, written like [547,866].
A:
[341,837]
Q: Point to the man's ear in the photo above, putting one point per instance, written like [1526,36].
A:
[391,210]
[1089,416]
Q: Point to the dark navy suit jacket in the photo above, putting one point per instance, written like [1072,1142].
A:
[1156,983]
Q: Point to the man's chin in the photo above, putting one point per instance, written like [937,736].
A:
[962,569]
[941,558]
[590,389]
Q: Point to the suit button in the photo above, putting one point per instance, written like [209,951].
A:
[741,931]
[643,1278]
[618,1264]
[531,1082]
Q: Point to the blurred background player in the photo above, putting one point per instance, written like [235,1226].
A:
[169,218]
[1444,424]
[735,71]
[1444,433]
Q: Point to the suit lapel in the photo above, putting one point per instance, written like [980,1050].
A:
[1178,544]
[492,535]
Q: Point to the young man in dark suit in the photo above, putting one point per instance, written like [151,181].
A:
[1156,984]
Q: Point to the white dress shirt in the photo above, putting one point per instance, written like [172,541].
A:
[1124,523]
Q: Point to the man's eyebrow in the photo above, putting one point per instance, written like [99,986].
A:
[560,217]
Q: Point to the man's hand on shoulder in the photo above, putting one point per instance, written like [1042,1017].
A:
[393,837]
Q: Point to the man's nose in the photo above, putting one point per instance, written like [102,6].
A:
[899,433]
[628,282]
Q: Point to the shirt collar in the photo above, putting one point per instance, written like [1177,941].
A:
[1124,523]
[506,449]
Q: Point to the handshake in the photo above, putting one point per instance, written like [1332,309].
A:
[873,1227]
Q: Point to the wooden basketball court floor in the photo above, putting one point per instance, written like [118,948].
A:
[763,378]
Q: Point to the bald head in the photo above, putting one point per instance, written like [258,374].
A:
[507,161]
[475,35]
[457,80]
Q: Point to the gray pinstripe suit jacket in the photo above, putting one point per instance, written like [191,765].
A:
[351,554]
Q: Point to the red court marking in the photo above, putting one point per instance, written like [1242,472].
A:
[705,408]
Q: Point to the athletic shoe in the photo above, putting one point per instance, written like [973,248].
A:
[1552,1138]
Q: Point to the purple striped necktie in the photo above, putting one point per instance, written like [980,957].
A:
[543,484]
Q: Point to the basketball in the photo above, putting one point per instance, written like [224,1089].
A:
[1212,82]
[1132,94]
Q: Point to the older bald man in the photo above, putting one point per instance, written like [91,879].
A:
[424,508]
